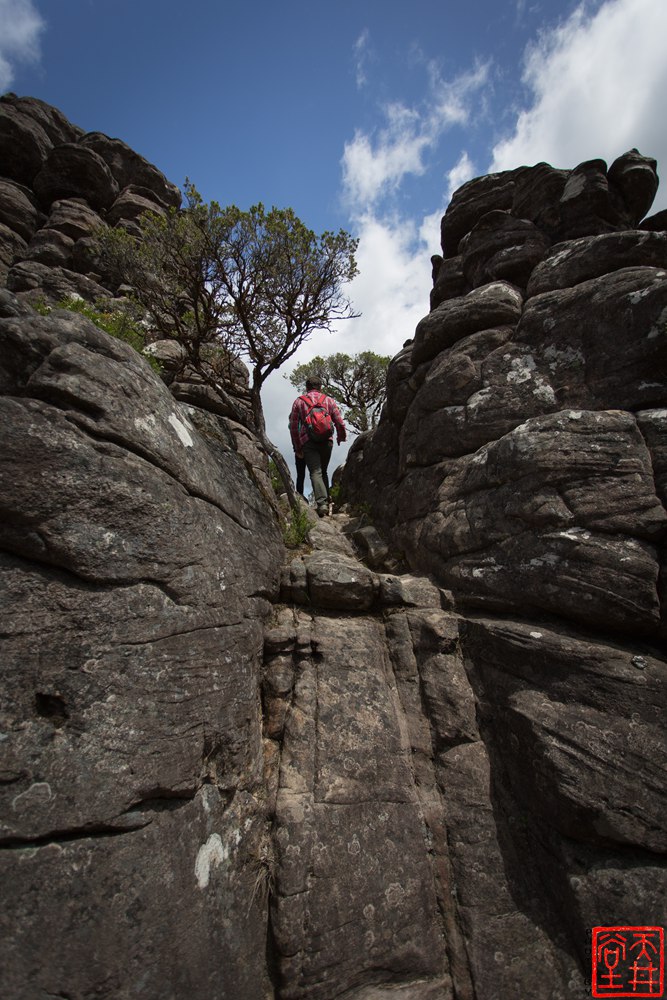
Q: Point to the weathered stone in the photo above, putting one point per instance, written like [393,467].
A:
[410,591]
[371,545]
[655,223]
[54,123]
[129,168]
[491,305]
[131,203]
[345,817]
[568,264]
[39,282]
[497,884]
[537,194]
[557,515]
[338,581]
[572,728]
[73,217]
[449,281]
[472,201]
[603,343]
[74,171]
[502,248]
[12,247]
[145,554]
[24,145]
[50,247]
[635,177]
[18,209]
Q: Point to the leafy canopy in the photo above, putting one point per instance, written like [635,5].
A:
[256,283]
[359,383]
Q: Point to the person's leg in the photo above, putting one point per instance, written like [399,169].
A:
[313,457]
[325,453]
[300,473]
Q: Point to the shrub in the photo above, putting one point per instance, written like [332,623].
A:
[122,322]
[296,529]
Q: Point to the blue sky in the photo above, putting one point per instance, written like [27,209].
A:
[363,114]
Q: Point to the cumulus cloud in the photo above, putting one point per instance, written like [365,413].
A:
[597,86]
[462,171]
[375,165]
[391,293]
[20,30]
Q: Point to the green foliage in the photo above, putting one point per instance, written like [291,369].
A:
[296,530]
[274,475]
[335,494]
[257,283]
[121,322]
[358,383]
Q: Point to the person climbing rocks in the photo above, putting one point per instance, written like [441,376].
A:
[299,463]
[313,419]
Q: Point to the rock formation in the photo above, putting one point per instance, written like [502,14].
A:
[520,461]
[232,771]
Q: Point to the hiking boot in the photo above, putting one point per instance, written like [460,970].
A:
[323,511]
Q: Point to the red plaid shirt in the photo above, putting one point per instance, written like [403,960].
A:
[300,408]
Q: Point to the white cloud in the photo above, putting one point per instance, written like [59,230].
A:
[391,292]
[462,171]
[361,55]
[375,165]
[20,28]
[598,86]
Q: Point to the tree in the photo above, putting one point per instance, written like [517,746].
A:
[359,383]
[255,284]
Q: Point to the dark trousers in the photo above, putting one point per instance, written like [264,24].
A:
[300,473]
[317,458]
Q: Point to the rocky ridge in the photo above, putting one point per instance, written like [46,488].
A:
[228,770]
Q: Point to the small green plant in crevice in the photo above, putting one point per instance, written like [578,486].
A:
[361,509]
[336,494]
[274,476]
[295,532]
[122,323]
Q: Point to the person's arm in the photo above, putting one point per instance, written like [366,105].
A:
[294,422]
[341,433]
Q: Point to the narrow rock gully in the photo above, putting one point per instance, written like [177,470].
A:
[367,708]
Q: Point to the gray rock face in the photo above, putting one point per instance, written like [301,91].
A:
[227,775]
[56,177]
[137,560]
[521,463]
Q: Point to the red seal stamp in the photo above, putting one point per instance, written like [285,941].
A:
[628,961]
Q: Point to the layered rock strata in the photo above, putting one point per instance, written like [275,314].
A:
[224,773]
[520,461]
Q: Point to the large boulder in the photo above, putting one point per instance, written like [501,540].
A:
[74,171]
[146,553]
[129,168]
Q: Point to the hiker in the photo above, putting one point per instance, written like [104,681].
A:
[312,420]
[300,464]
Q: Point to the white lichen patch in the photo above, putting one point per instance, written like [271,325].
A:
[544,392]
[181,428]
[39,793]
[575,534]
[636,297]
[521,370]
[210,855]
[147,424]
[535,635]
